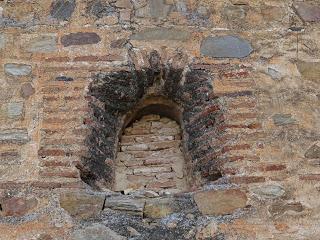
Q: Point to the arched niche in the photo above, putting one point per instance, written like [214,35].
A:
[151,152]
[116,99]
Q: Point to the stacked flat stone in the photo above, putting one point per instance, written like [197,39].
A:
[150,155]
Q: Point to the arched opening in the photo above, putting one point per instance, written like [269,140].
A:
[117,99]
[150,152]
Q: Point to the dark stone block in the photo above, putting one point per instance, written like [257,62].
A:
[313,152]
[100,9]
[226,47]
[62,9]
[64,79]
[80,38]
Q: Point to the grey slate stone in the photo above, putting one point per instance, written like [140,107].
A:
[14,136]
[15,109]
[158,9]
[225,47]
[313,152]
[100,9]
[96,231]
[16,69]
[161,34]
[128,205]
[269,191]
[62,9]
[308,12]
[280,119]
[42,44]
[2,41]
[274,73]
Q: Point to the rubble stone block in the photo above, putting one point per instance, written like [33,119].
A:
[226,47]
[220,202]
[82,205]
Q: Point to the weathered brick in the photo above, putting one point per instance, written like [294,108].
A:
[310,177]
[17,206]
[59,172]
[247,179]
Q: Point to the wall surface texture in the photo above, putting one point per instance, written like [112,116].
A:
[240,77]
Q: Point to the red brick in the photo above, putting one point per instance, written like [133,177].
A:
[236,94]
[51,98]
[246,179]
[242,116]
[242,104]
[66,173]
[51,152]
[166,184]
[57,59]
[235,74]
[60,120]
[310,177]
[235,158]
[273,167]
[97,58]
[235,147]
[18,206]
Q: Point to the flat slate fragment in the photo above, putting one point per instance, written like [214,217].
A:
[313,152]
[280,119]
[80,38]
[225,47]
[14,135]
[62,9]
[161,34]
[42,44]
[308,12]
[2,40]
[16,69]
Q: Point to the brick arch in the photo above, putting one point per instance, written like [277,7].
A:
[115,95]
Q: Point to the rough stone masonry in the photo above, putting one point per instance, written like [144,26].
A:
[237,82]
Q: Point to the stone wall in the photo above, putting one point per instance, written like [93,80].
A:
[150,156]
[243,75]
